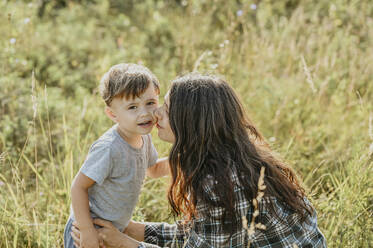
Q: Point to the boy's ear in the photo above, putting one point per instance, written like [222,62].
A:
[109,112]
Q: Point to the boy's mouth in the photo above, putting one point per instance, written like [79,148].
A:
[146,123]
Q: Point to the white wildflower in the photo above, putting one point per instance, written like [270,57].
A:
[214,66]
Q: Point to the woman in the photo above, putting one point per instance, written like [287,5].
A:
[216,162]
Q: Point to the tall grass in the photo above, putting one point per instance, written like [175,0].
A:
[304,74]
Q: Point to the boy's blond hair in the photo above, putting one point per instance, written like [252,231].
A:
[126,80]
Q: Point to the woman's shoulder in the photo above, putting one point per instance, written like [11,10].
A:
[280,212]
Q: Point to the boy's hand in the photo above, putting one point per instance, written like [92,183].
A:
[89,238]
[160,169]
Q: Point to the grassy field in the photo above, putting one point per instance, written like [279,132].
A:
[304,70]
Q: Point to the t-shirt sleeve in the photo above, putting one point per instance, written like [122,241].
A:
[153,154]
[98,163]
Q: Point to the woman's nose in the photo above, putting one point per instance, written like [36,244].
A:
[157,113]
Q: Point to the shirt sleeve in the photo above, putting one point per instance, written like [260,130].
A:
[153,154]
[163,235]
[176,235]
[98,163]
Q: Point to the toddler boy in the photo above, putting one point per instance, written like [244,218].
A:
[109,181]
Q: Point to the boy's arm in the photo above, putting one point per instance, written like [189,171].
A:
[160,169]
[79,199]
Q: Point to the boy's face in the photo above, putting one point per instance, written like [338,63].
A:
[135,115]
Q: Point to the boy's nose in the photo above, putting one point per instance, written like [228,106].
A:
[145,112]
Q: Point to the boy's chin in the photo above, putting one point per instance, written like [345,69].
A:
[146,130]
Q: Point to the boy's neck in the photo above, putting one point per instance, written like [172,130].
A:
[134,140]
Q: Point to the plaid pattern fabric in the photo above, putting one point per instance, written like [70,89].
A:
[284,229]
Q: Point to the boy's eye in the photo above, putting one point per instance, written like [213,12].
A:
[132,107]
[151,103]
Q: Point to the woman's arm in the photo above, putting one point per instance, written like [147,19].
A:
[152,234]
[177,235]
[164,234]
[111,236]
[149,234]
[135,230]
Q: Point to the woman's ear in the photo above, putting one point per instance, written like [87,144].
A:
[110,113]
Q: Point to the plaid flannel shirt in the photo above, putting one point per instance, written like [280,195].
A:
[284,229]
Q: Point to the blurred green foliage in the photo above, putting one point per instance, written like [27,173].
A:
[302,68]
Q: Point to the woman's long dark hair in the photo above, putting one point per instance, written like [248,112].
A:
[214,139]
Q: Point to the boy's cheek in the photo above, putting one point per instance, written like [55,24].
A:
[154,107]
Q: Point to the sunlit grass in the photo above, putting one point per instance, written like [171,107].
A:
[306,81]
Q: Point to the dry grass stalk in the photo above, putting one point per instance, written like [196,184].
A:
[34,107]
[33,95]
[174,242]
[198,61]
[371,133]
[2,156]
[371,126]
[308,75]
[251,230]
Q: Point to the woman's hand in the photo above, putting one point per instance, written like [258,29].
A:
[110,234]
[90,238]
[86,238]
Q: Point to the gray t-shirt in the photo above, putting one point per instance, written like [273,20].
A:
[119,171]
